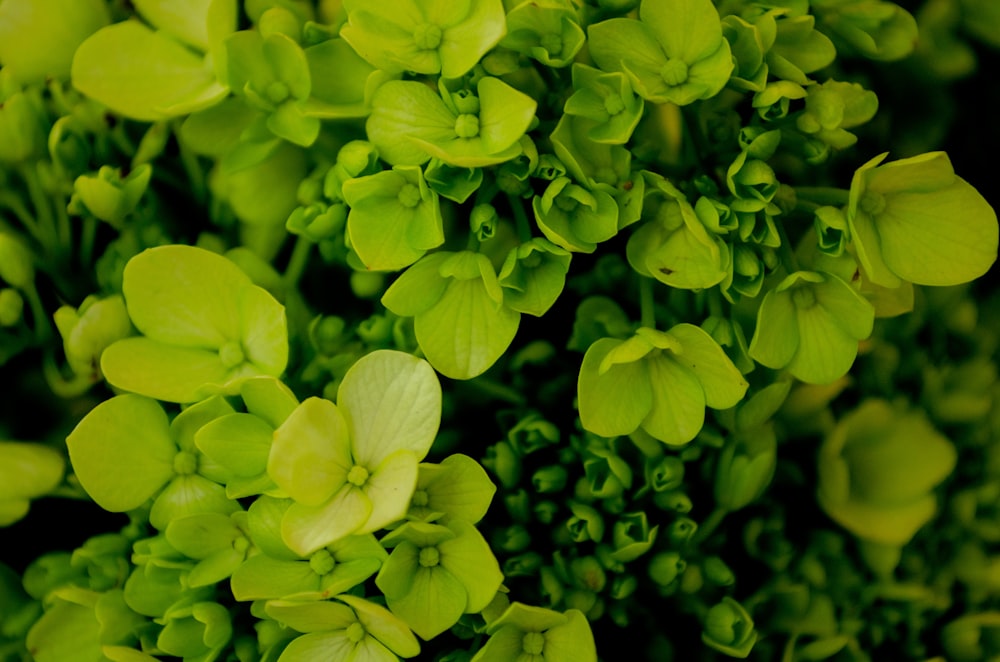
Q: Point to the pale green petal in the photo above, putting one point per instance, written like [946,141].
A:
[263,331]
[846,306]
[239,442]
[826,351]
[465,42]
[722,382]
[311,452]
[263,578]
[189,495]
[418,288]
[946,237]
[504,114]
[308,617]
[503,645]
[402,110]
[435,602]
[892,525]
[319,646]
[380,623]
[466,331]
[686,29]
[572,641]
[469,558]
[122,452]
[307,528]
[391,400]
[184,295]
[776,336]
[150,77]
[624,44]
[615,401]
[461,489]
[678,401]
[390,488]
[868,248]
[395,578]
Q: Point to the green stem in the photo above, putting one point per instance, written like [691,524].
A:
[497,391]
[43,211]
[13,203]
[785,251]
[43,329]
[298,262]
[692,127]
[823,195]
[714,297]
[647,307]
[520,218]
[87,238]
[708,526]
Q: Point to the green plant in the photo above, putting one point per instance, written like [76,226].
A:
[495,331]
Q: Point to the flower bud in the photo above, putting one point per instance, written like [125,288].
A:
[729,629]
[16,262]
[11,307]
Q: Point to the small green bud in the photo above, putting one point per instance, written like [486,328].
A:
[367,284]
[673,500]
[550,479]
[504,463]
[11,307]
[664,473]
[681,530]
[512,539]
[729,629]
[666,567]
[483,221]
[16,262]
[523,565]
[717,572]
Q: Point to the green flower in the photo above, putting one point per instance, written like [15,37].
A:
[915,220]
[410,124]
[460,320]
[206,327]
[349,628]
[352,468]
[27,471]
[437,573]
[125,451]
[28,49]
[456,488]
[608,99]
[674,53]
[425,37]
[811,324]
[394,219]
[280,573]
[573,217]
[109,196]
[658,382]
[877,471]
[523,633]
[547,31]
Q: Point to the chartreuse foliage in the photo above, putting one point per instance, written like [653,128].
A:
[497,331]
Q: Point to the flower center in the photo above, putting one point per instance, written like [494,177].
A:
[231,354]
[872,203]
[241,544]
[613,104]
[467,125]
[185,463]
[674,72]
[420,498]
[409,196]
[322,562]
[566,203]
[804,298]
[429,557]
[533,643]
[427,36]
[358,475]
[277,92]
[355,632]
[552,43]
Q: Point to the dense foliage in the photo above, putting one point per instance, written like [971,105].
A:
[498,330]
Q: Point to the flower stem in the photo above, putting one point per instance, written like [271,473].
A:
[647,307]
[298,262]
[520,218]
[823,195]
